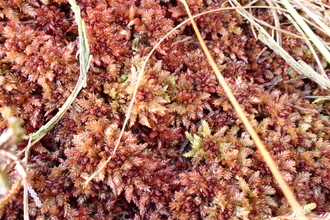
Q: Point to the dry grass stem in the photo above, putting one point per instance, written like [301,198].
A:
[277,22]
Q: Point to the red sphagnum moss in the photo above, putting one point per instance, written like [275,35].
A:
[155,174]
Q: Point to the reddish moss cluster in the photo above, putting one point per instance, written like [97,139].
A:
[149,177]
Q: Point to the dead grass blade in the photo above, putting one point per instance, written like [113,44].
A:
[313,14]
[299,66]
[277,22]
[310,46]
[312,36]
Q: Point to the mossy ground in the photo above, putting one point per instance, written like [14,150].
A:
[156,173]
